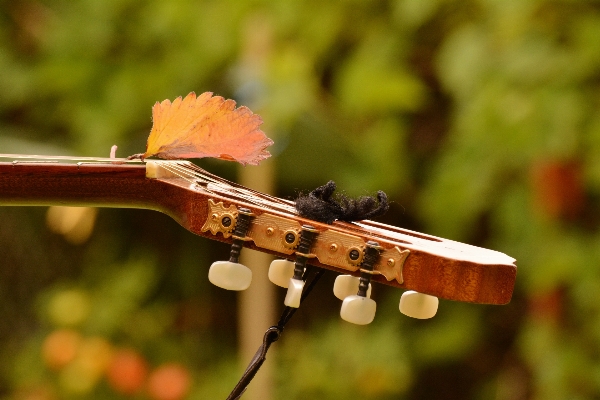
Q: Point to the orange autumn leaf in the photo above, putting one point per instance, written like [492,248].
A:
[206,126]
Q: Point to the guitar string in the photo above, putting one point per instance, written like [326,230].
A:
[180,171]
[70,158]
[193,173]
[285,205]
[273,201]
[183,169]
[282,204]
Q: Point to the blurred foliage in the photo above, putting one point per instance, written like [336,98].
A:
[479,118]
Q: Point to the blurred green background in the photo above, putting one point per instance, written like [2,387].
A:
[479,118]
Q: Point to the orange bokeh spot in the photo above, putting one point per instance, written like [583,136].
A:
[60,347]
[169,382]
[127,371]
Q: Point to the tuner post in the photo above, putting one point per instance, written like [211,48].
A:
[296,283]
[307,238]
[242,226]
[366,270]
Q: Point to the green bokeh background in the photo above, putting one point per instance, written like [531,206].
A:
[479,118]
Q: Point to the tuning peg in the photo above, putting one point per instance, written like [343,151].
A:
[418,305]
[347,285]
[280,272]
[294,293]
[359,308]
[232,275]
[296,284]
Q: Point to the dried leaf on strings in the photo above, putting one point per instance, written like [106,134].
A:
[206,126]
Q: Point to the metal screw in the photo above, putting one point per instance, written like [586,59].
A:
[290,238]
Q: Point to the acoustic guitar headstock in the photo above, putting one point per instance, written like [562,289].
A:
[363,253]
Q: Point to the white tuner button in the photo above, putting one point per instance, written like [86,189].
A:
[280,272]
[358,310]
[229,275]
[347,285]
[294,293]
[418,305]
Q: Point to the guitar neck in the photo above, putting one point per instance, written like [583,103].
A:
[200,201]
[93,184]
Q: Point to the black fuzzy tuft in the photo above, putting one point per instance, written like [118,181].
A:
[319,205]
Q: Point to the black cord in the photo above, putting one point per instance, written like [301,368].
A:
[272,335]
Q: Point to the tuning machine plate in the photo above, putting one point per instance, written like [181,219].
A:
[220,218]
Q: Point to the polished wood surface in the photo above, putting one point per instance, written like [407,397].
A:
[435,266]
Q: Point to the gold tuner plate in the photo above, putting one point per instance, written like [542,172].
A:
[333,248]
[270,232]
[391,264]
[220,218]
